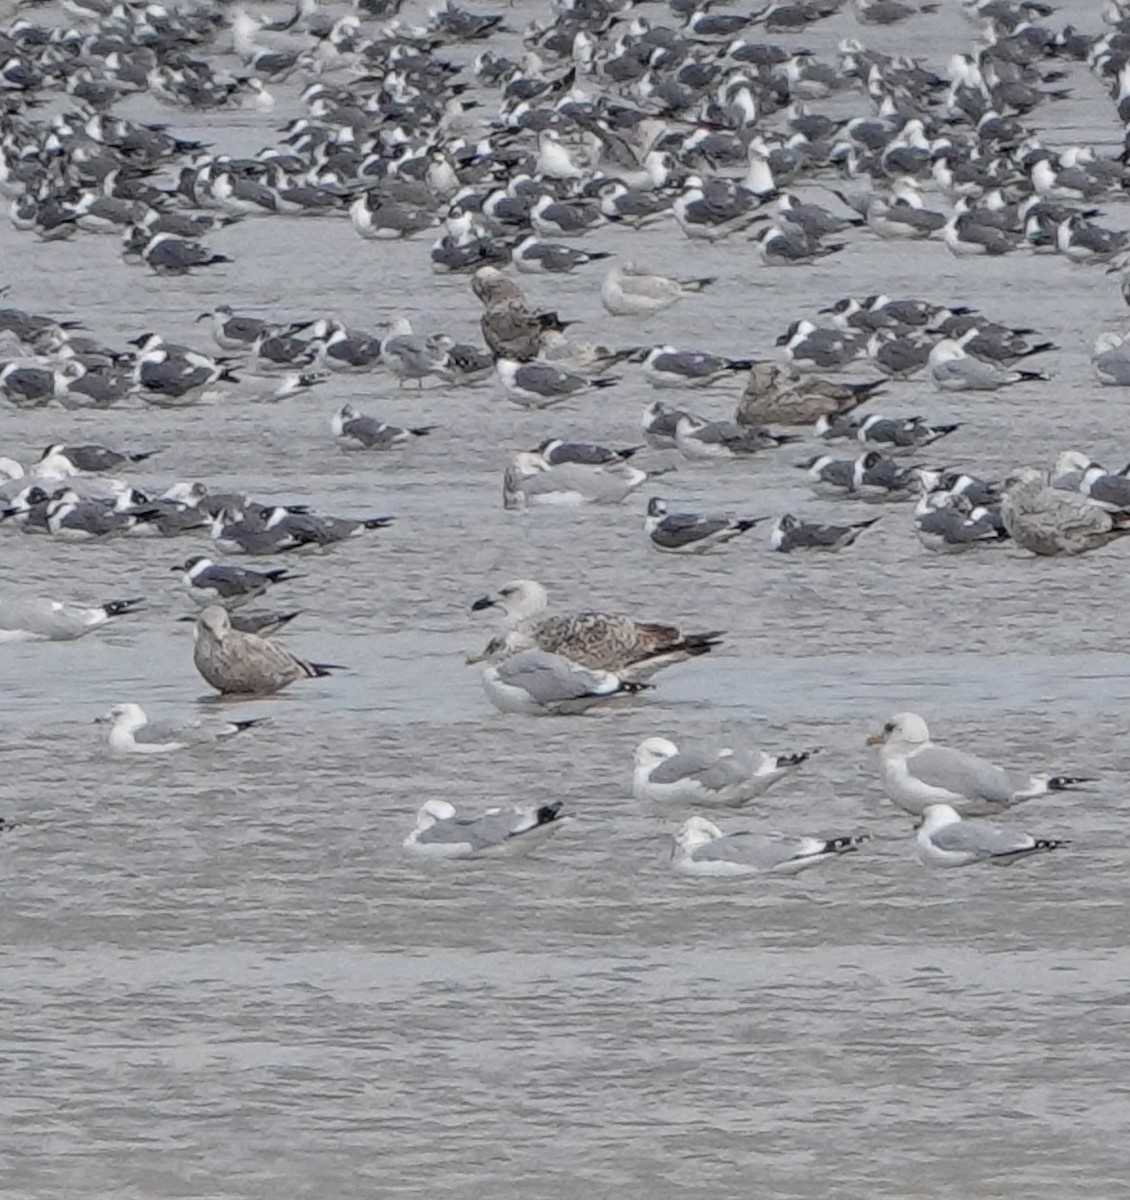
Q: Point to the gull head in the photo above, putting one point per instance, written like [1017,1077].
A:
[697,831]
[432,811]
[129,717]
[502,646]
[654,750]
[937,816]
[214,621]
[1029,479]
[519,599]
[903,729]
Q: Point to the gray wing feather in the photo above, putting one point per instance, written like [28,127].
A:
[982,840]
[547,678]
[760,850]
[960,773]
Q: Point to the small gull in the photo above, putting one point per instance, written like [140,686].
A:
[538,384]
[1108,491]
[945,840]
[691,533]
[535,683]
[41,619]
[1049,521]
[556,451]
[659,422]
[630,290]
[1110,360]
[811,348]
[131,731]
[788,245]
[232,587]
[534,257]
[667,367]
[441,832]
[59,461]
[367,433]
[530,480]
[701,848]
[412,356]
[237,663]
[900,435]
[791,533]
[946,526]
[699,439]
[953,370]
[917,773]
[665,774]
[597,640]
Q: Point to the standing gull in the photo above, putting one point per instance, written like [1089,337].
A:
[441,832]
[945,840]
[666,774]
[237,663]
[701,848]
[918,773]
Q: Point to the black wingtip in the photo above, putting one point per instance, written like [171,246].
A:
[115,608]
[1064,783]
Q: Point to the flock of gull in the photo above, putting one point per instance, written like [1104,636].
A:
[721,128]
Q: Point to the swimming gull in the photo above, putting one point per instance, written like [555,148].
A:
[442,832]
[367,433]
[237,663]
[945,840]
[701,848]
[691,533]
[665,774]
[604,641]
[630,290]
[1049,521]
[917,773]
[536,683]
[131,731]
[41,619]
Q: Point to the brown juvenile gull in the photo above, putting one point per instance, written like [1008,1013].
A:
[598,640]
[1049,522]
[773,396]
[510,328]
[237,663]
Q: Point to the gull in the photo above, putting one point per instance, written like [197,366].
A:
[554,218]
[538,384]
[691,533]
[773,395]
[945,840]
[1108,491]
[790,246]
[701,848]
[901,219]
[811,348]
[791,533]
[597,640]
[442,832]
[535,683]
[953,370]
[944,526]
[917,773]
[131,731]
[530,480]
[699,439]
[1111,360]
[665,774]
[41,619]
[367,433]
[667,367]
[534,257]
[232,587]
[1049,521]
[899,435]
[556,451]
[60,461]
[411,356]
[237,663]
[659,422]
[630,290]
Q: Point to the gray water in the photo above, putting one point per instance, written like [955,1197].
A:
[222,977]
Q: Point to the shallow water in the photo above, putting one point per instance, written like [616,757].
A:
[223,979]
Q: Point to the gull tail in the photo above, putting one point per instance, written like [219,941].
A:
[240,726]
[1031,375]
[377,522]
[115,608]
[697,285]
[1039,348]
[843,845]
[1066,783]
[320,670]
[142,455]
[793,760]
[748,523]
[1050,843]
[605,381]
[421,430]
[630,687]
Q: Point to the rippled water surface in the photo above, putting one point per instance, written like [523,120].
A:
[221,976]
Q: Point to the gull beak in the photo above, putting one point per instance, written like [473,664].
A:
[483,602]
[472,659]
[202,317]
[102,720]
[876,739]
[176,568]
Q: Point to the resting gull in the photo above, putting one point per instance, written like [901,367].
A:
[244,663]
[918,773]
[691,533]
[601,641]
[699,439]
[131,731]
[952,370]
[945,840]
[790,533]
[535,683]
[530,480]
[441,832]
[666,774]
[701,848]
[629,290]
[41,619]
[358,431]
[1049,521]
[213,583]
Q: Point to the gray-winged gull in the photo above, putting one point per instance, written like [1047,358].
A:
[131,731]
[945,840]
[367,433]
[602,641]
[540,384]
[691,533]
[629,290]
[442,832]
[699,439]
[530,480]
[1049,521]
[917,773]
[535,683]
[41,619]
[237,663]
[214,583]
[666,774]
[953,370]
[790,533]
[701,848]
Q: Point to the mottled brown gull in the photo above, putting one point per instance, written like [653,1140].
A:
[237,663]
[1049,521]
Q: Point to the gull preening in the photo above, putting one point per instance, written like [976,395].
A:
[131,731]
[665,774]
[601,641]
[945,840]
[237,663]
[442,832]
[538,684]
[918,773]
[701,848]
[41,619]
